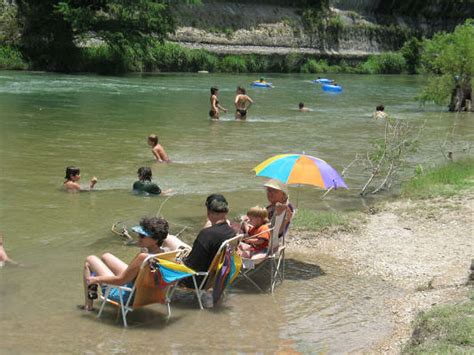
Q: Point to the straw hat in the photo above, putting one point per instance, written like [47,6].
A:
[277,185]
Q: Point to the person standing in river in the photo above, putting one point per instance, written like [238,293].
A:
[214,113]
[157,149]
[242,103]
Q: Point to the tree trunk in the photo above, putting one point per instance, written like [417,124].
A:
[461,97]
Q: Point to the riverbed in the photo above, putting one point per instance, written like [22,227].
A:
[50,121]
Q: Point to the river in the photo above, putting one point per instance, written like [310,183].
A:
[50,121]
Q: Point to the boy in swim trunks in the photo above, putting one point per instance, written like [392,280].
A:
[242,103]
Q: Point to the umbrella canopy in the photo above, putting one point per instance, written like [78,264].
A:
[300,169]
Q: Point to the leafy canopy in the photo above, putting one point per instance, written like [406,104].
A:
[450,57]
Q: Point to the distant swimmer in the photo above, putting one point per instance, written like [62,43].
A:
[379,112]
[242,103]
[73,175]
[4,258]
[214,113]
[302,108]
[157,150]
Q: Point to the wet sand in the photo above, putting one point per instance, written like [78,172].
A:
[424,247]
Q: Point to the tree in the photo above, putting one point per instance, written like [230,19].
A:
[52,28]
[449,57]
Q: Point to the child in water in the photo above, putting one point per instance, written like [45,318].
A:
[73,175]
[301,107]
[144,183]
[258,232]
[379,112]
[157,150]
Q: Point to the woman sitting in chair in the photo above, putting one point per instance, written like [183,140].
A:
[277,195]
[111,270]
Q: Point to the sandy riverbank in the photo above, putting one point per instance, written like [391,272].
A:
[424,246]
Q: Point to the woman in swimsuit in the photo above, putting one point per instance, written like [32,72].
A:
[111,270]
[242,103]
[214,113]
[73,175]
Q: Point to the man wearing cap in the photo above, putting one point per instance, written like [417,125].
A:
[209,239]
[277,195]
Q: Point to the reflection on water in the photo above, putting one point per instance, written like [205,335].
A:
[100,124]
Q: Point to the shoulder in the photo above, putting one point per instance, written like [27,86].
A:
[71,185]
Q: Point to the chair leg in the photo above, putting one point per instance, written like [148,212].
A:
[104,301]
[198,294]
[123,311]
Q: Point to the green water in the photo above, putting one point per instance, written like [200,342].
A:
[100,124]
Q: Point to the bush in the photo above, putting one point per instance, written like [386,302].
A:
[233,64]
[385,63]
[411,52]
[313,66]
[104,60]
[11,58]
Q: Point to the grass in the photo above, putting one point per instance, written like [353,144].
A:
[444,330]
[320,220]
[445,181]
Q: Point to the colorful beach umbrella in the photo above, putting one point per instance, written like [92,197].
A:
[301,169]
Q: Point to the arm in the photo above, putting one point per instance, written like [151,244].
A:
[126,276]
[92,183]
[222,108]
[213,103]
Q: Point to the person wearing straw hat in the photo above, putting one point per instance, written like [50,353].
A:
[277,195]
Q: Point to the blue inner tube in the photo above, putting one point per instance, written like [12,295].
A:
[261,85]
[322,81]
[332,88]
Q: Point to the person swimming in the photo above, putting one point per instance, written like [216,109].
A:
[214,113]
[302,108]
[73,175]
[242,103]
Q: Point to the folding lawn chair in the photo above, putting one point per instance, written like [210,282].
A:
[274,256]
[157,278]
[224,268]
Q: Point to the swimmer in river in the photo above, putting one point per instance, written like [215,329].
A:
[302,108]
[242,103]
[157,149]
[73,175]
[214,113]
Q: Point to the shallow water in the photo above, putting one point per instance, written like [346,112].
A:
[100,124]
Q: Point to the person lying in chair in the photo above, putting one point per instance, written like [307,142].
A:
[111,270]
[209,239]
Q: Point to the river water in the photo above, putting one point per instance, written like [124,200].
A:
[50,121]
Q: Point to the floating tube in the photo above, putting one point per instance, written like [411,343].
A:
[331,88]
[322,81]
[261,85]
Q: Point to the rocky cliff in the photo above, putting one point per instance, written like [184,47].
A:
[350,29]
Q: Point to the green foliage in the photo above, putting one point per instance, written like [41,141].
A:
[312,66]
[319,220]
[9,30]
[447,180]
[444,330]
[385,63]
[411,51]
[233,64]
[450,58]
[11,58]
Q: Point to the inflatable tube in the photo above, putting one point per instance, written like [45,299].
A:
[322,81]
[331,88]
[262,85]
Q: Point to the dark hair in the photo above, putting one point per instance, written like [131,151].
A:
[301,105]
[144,173]
[217,203]
[214,89]
[71,171]
[380,108]
[153,138]
[157,227]
[241,89]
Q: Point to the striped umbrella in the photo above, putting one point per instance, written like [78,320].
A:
[301,169]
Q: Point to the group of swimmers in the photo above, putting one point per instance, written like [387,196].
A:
[242,102]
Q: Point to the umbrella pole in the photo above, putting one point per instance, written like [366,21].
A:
[324,195]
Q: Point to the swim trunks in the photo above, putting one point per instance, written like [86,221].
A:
[242,113]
